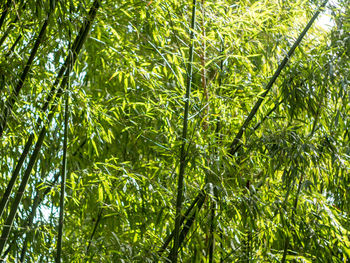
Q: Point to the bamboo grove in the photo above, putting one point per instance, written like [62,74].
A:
[174,131]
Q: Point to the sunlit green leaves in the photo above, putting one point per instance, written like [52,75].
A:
[127,99]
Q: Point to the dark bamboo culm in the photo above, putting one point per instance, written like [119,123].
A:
[99,217]
[14,96]
[183,156]
[189,223]
[63,179]
[79,40]
[183,218]
[39,197]
[268,87]
[6,8]
[9,221]
[236,141]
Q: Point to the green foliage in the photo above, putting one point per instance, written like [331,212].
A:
[284,191]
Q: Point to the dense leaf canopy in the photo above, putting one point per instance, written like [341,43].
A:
[266,182]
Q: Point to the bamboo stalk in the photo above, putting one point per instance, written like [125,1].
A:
[218,127]
[9,221]
[216,197]
[14,21]
[37,200]
[14,176]
[63,181]
[184,143]
[286,244]
[203,70]
[212,230]
[12,99]
[18,197]
[80,39]
[183,218]
[99,217]
[188,225]
[4,12]
[268,87]
[14,45]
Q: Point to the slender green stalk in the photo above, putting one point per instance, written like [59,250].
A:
[212,230]
[15,174]
[99,217]
[14,45]
[184,143]
[217,133]
[216,197]
[286,243]
[63,182]
[4,12]
[39,197]
[284,62]
[37,200]
[33,158]
[183,218]
[10,27]
[13,97]
[189,223]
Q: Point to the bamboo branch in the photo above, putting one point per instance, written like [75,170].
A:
[99,216]
[13,97]
[183,218]
[18,197]
[268,87]
[203,70]
[188,225]
[184,143]
[63,181]
[37,200]
[4,12]
[80,39]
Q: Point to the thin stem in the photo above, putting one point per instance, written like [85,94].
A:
[4,12]
[183,218]
[13,97]
[184,143]
[39,197]
[286,244]
[284,62]
[99,217]
[33,158]
[188,224]
[63,181]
